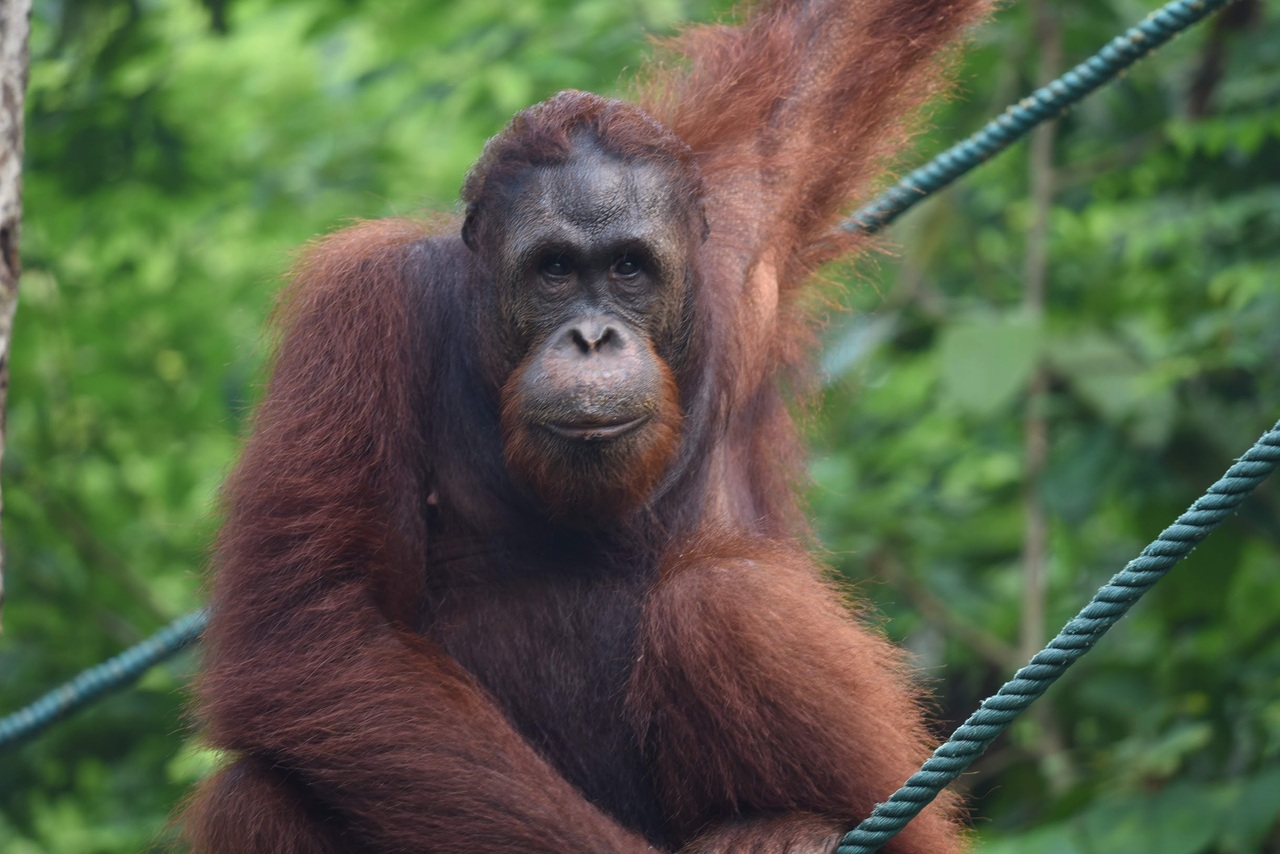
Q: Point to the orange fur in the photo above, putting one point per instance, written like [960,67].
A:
[407,653]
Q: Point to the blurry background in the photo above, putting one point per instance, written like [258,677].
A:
[976,440]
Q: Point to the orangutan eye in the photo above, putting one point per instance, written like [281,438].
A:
[557,267]
[627,267]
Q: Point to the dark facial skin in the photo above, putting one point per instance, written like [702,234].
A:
[594,235]
[591,260]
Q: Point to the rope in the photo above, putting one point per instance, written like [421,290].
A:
[1044,103]
[110,675]
[1079,635]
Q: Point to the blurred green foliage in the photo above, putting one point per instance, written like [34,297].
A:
[179,152]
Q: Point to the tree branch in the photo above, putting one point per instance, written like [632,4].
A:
[15,26]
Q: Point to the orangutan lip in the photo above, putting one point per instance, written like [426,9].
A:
[588,431]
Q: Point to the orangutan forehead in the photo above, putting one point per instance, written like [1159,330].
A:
[597,189]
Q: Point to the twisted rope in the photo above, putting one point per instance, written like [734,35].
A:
[1044,103]
[110,675]
[1079,635]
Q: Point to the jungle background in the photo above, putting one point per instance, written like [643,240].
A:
[1043,367]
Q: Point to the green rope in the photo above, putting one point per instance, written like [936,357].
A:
[111,675]
[1079,635]
[1044,103]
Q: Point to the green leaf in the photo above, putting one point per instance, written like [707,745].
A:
[987,360]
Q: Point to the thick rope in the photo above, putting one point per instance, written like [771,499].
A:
[110,675]
[1044,103]
[1079,635]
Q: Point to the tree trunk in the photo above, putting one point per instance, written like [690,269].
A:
[15,24]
